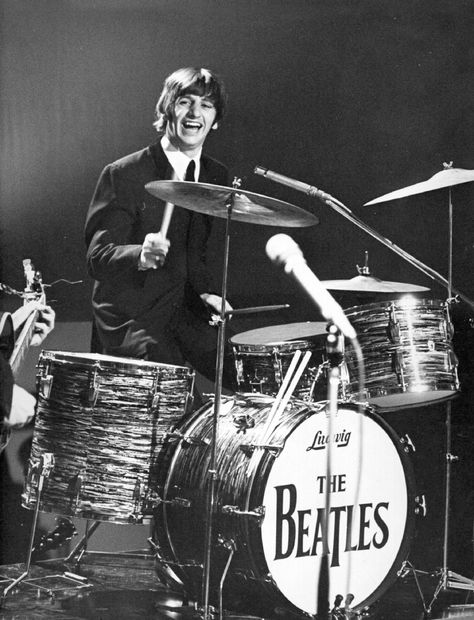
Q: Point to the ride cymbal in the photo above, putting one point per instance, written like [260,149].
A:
[370,284]
[445,178]
[247,206]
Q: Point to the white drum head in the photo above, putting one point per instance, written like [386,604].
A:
[276,334]
[370,494]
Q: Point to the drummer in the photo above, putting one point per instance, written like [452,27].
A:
[153,295]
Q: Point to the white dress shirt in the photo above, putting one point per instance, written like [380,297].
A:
[179,161]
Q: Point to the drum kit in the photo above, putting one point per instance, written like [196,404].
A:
[264,498]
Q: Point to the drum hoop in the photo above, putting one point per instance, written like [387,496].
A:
[414,303]
[272,347]
[89,360]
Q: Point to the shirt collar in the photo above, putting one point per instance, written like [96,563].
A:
[179,161]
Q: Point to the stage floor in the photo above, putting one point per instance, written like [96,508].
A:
[126,587]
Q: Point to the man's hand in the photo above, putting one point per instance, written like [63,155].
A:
[215,303]
[154,250]
[44,325]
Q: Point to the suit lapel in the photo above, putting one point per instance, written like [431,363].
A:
[164,169]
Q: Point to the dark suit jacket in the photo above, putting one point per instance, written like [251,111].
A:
[121,213]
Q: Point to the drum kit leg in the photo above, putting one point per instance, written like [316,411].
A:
[224,484]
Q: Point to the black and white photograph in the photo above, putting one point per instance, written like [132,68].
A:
[237,309]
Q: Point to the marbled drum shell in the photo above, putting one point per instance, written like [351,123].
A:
[408,354]
[106,421]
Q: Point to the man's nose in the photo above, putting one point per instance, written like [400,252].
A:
[194,109]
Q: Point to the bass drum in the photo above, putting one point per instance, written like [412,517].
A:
[270,505]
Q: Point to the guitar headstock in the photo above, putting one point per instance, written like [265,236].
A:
[34,289]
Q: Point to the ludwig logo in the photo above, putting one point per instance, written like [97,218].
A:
[321,440]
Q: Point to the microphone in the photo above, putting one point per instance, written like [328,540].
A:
[283,250]
[298,185]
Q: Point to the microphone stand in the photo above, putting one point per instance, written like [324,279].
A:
[448,579]
[343,210]
[212,473]
[335,352]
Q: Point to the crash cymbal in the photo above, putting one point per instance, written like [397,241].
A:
[247,206]
[370,284]
[445,178]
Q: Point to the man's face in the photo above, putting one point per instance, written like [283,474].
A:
[191,120]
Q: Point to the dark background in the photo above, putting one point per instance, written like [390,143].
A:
[357,98]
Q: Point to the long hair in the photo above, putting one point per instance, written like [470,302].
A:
[193,81]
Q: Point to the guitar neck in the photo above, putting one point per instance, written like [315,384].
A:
[24,320]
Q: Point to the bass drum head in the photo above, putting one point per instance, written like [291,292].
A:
[270,501]
[371,509]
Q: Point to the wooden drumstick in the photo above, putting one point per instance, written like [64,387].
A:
[166,221]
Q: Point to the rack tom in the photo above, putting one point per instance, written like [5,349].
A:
[407,350]
[262,357]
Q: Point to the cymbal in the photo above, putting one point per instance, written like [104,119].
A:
[247,206]
[445,178]
[370,284]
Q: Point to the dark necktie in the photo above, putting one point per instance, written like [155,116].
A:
[190,171]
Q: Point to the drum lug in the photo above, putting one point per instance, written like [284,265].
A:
[45,385]
[239,369]
[258,513]
[420,508]
[408,445]
[398,364]
[452,361]
[138,497]
[181,502]
[243,422]
[249,448]
[394,332]
[277,366]
[92,392]
[188,439]
[44,380]
[75,491]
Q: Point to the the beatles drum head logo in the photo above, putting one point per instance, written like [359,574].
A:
[362,496]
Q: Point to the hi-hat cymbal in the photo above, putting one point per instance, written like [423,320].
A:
[247,206]
[370,284]
[445,178]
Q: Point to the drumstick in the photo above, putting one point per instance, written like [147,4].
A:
[271,422]
[280,402]
[167,215]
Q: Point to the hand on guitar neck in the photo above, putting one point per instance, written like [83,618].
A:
[27,326]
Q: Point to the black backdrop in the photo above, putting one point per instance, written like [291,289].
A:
[358,98]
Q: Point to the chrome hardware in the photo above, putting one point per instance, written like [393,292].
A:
[420,508]
[258,513]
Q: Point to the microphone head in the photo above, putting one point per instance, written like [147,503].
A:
[281,248]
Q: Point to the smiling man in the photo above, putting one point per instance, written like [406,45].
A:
[151,291]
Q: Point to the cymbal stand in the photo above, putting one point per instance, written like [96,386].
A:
[449,579]
[212,473]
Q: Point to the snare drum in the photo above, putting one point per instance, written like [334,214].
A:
[270,505]
[262,357]
[106,421]
[409,358]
